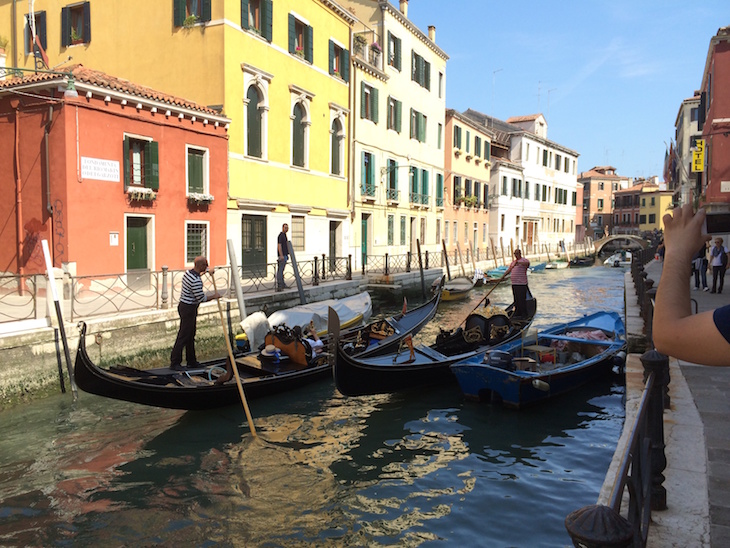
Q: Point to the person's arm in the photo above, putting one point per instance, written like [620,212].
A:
[677,332]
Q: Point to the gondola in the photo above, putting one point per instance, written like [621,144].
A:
[417,365]
[199,388]
[579,262]
[531,369]
[458,289]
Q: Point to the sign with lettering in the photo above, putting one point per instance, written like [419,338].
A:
[101,170]
[698,157]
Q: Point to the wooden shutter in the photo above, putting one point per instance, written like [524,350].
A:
[374,104]
[397,53]
[205,14]
[65,27]
[40,28]
[427,75]
[87,22]
[195,172]
[345,65]
[363,173]
[363,101]
[421,127]
[292,34]
[309,43]
[267,14]
[424,182]
[398,108]
[125,162]
[395,172]
[439,185]
[151,165]
[332,57]
[178,12]
[244,14]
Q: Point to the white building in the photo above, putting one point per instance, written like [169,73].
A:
[534,184]
[686,133]
[397,156]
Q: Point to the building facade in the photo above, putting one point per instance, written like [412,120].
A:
[627,207]
[654,205]
[116,177]
[683,179]
[599,185]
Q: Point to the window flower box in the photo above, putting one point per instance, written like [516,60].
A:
[141,194]
[299,52]
[198,198]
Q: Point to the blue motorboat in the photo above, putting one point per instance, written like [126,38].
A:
[541,365]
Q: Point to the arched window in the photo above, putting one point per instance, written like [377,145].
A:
[253,123]
[336,147]
[298,137]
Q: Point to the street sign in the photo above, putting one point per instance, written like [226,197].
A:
[698,156]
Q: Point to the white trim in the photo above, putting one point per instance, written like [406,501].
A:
[300,18]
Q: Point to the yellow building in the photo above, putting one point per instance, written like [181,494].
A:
[652,208]
[279,70]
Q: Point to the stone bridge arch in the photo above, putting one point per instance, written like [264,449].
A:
[635,240]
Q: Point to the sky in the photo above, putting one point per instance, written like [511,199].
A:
[609,76]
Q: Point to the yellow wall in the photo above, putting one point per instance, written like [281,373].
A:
[662,202]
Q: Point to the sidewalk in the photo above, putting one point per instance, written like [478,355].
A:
[697,437]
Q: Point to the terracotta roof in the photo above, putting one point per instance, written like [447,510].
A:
[527,118]
[637,187]
[97,78]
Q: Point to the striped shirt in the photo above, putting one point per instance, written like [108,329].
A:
[519,271]
[192,288]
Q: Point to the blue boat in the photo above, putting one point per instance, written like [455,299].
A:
[541,365]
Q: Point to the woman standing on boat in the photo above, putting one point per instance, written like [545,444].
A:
[518,270]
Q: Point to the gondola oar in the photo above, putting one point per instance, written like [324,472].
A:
[233,362]
[484,298]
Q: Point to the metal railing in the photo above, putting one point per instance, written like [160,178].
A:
[19,297]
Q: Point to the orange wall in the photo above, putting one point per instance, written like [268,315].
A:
[87,210]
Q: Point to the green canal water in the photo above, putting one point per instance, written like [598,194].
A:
[423,468]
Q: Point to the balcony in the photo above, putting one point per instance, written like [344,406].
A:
[392,195]
[367,192]
[367,48]
[418,200]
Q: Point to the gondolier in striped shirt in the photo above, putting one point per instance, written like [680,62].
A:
[191,296]
[518,270]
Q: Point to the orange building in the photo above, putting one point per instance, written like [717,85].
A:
[117,177]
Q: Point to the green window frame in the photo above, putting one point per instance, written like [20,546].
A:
[298,136]
[487,150]
[402,230]
[196,170]
[182,9]
[301,39]
[254,124]
[145,171]
[394,51]
[395,108]
[339,61]
[368,102]
[257,16]
[76,24]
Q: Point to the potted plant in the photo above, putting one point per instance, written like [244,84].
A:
[75,36]
[375,51]
[190,21]
[299,52]
[3,44]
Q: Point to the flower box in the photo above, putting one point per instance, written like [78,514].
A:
[141,194]
[199,198]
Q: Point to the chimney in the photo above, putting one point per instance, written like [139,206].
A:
[432,33]
[404,8]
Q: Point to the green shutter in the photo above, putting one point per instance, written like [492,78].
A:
[421,128]
[398,108]
[363,173]
[439,185]
[487,150]
[390,53]
[292,35]
[414,181]
[195,172]
[424,182]
[151,165]
[309,43]
[374,104]
[397,53]
[395,178]
[205,13]
[410,134]
[87,23]
[345,65]
[427,75]
[332,57]
[468,139]
[244,14]
[125,156]
[66,26]
[267,15]
[363,106]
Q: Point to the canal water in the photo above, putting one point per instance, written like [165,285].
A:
[412,469]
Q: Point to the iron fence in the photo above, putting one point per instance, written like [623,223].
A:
[19,297]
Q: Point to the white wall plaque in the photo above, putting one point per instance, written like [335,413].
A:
[724,186]
[113,239]
[101,170]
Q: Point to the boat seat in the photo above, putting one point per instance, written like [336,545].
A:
[430,352]
[531,345]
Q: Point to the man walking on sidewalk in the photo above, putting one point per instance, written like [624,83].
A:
[282,255]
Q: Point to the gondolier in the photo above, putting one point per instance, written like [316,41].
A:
[191,296]
[518,272]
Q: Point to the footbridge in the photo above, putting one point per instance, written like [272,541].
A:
[631,241]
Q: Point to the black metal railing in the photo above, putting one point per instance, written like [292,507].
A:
[19,297]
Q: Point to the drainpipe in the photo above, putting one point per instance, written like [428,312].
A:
[14,33]
[18,194]
[49,206]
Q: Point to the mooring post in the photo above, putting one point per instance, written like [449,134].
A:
[165,294]
[657,363]
[597,525]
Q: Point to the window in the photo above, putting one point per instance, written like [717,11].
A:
[391,229]
[468,138]
[394,48]
[439,190]
[457,188]
[402,230]
[642,219]
[197,170]
[438,230]
[454,232]
[652,218]
[418,126]
[415,198]
[425,190]
[441,85]
[466,232]
[392,189]
[652,201]
[505,189]
[300,39]
[487,150]
[693,114]
[477,190]
[141,163]
[527,152]
[196,241]
[439,135]
[558,160]
[40,31]
[337,152]
[567,165]
[368,102]
[527,190]
[76,24]
[253,123]
[187,12]
[420,71]
[467,187]
[394,114]
[600,186]
[486,195]
[545,157]
[446,232]
[298,136]
[339,61]
[367,174]
[256,16]
[457,137]
[297,232]
[643,202]
[477,146]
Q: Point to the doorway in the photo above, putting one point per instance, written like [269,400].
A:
[253,245]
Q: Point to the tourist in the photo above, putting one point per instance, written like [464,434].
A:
[699,265]
[718,258]
[282,254]
[518,270]
[191,296]
[701,338]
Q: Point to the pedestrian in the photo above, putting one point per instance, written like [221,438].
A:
[191,296]
[700,338]
[718,262]
[282,255]
[699,264]
[518,272]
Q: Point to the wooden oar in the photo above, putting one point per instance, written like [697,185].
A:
[233,362]
[484,298]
